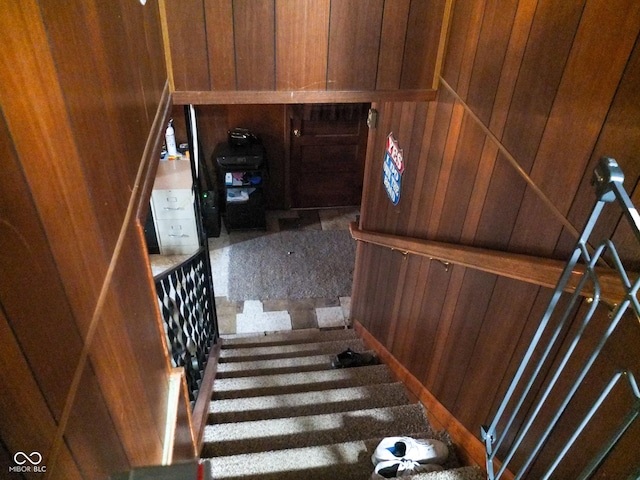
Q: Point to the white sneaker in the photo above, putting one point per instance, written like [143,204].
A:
[402,468]
[420,451]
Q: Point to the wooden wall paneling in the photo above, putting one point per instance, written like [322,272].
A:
[609,415]
[422,213]
[425,25]
[6,460]
[490,54]
[128,355]
[413,155]
[411,314]
[430,308]
[302,43]
[143,323]
[254,37]
[90,432]
[394,28]
[115,365]
[509,365]
[111,140]
[449,299]
[509,307]
[220,44]
[547,50]
[403,123]
[147,45]
[461,182]
[619,139]
[354,42]
[501,206]
[448,155]
[591,77]
[473,300]
[424,164]
[50,160]
[372,189]
[511,66]
[386,212]
[462,44]
[481,184]
[27,424]
[187,36]
[27,264]
[213,127]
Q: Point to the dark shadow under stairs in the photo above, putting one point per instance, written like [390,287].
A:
[280,412]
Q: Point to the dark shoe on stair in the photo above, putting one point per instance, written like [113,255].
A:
[349,358]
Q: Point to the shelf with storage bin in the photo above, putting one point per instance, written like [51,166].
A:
[242,172]
[244,199]
[172,205]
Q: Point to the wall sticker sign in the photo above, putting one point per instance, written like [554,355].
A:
[392,169]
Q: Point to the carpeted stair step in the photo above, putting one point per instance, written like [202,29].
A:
[307,403]
[343,461]
[255,353]
[276,365]
[311,335]
[312,430]
[279,384]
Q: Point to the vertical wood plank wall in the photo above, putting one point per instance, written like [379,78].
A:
[300,45]
[83,368]
[533,93]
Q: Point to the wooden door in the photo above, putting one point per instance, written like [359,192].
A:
[328,147]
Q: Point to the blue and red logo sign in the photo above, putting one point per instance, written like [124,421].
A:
[392,169]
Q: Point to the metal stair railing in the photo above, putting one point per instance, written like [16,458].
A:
[187,306]
[608,180]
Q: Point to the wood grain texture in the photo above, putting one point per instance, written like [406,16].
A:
[354,42]
[422,43]
[254,39]
[26,262]
[76,124]
[503,166]
[392,40]
[302,43]
[187,44]
[220,44]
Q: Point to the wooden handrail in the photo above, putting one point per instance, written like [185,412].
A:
[527,268]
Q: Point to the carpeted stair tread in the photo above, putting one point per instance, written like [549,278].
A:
[307,403]
[299,382]
[343,461]
[347,460]
[460,473]
[273,366]
[311,335]
[287,351]
[310,430]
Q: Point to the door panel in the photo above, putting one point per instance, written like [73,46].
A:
[328,148]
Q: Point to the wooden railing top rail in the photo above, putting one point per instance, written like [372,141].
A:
[527,268]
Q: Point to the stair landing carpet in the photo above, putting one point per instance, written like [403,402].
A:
[280,412]
[292,265]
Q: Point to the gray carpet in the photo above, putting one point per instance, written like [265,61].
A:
[292,265]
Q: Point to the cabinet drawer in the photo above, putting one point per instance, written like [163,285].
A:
[177,232]
[169,204]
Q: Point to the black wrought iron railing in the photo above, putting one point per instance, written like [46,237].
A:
[185,295]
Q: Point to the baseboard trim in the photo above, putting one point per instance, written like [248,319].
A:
[470,449]
[201,408]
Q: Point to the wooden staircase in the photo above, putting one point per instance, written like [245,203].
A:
[280,411]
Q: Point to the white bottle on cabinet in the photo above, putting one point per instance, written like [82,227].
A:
[170,140]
